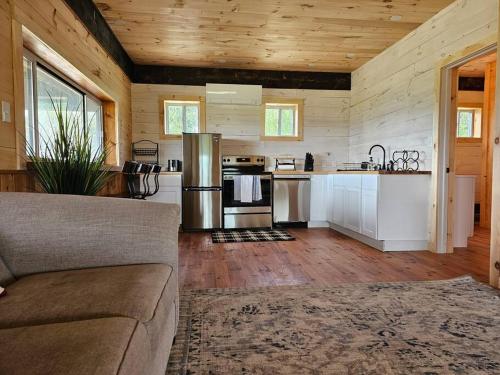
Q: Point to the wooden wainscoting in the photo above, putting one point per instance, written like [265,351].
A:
[16,181]
[21,181]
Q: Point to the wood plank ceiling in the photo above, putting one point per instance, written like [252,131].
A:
[297,35]
[477,67]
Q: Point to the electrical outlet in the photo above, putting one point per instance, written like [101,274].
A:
[5,111]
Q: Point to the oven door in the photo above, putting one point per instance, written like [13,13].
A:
[232,205]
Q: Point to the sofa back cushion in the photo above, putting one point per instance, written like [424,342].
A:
[49,232]
[6,276]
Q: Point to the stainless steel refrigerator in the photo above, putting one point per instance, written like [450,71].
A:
[201,181]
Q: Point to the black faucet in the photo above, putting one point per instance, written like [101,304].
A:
[383,149]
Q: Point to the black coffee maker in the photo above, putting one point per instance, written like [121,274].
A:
[309,164]
[174,166]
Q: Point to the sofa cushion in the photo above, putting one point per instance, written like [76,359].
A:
[6,276]
[130,291]
[57,232]
[98,347]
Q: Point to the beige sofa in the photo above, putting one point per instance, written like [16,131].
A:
[91,284]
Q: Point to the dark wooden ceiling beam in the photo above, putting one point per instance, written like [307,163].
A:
[95,23]
[174,75]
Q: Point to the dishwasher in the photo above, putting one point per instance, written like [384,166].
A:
[291,199]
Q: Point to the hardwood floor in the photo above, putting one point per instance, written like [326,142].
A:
[320,257]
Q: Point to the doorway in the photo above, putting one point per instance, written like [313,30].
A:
[467,111]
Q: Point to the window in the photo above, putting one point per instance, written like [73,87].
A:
[42,86]
[182,115]
[282,119]
[469,123]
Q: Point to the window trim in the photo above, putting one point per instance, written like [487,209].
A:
[474,107]
[181,98]
[61,77]
[299,116]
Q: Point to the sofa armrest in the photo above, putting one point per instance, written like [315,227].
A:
[45,232]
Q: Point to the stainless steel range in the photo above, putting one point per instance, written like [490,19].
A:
[246,192]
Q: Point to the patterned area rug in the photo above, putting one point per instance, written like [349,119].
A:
[251,235]
[435,327]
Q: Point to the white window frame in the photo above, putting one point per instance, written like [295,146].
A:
[282,104]
[36,62]
[184,101]
[281,108]
[477,120]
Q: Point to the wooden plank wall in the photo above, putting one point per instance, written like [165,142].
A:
[326,123]
[21,181]
[55,24]
[495,203]
[490,110]
[7,130]
[393,97]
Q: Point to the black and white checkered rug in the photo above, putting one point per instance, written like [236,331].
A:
[251,235]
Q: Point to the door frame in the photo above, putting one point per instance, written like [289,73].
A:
[446,134]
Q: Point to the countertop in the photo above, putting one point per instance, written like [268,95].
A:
[316,172]
[166,173]
[118,168]
[327,172]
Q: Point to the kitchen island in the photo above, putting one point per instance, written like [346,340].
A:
[386,210]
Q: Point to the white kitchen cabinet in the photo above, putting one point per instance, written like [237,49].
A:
[319,200]
[338,192]
[352,203]
[329,194]
[388,212]
[369,213]
[352,209]
[170,190]
[369,198]
[167,195]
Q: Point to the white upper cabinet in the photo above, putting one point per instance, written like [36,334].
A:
[233,94]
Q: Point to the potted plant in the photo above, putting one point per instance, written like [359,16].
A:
[67,163]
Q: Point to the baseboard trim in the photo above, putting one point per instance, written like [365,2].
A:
[383,245]
[318,224]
